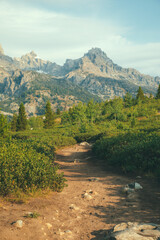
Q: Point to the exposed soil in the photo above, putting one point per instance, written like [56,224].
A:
[89,218]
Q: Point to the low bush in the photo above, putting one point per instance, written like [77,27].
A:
[23,168]
[88,136]
[132,152]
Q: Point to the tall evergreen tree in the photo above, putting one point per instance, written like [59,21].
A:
[49,116]
[140,94]
[14,123]
[158,93]
[21,119]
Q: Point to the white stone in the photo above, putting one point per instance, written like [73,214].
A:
[72,206]
[87,196]
[138,186]
[18,224]
[68,232]
[49,226]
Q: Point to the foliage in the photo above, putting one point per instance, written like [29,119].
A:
[125,135]
[3,125]
[58,111]
[21,119]
[49,116]
[14,123]
[24,168]
[132,152]
[35,122]
[140,94]
[158,93]
[32,215]
[128,100]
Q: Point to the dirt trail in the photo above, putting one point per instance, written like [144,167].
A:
[69,215]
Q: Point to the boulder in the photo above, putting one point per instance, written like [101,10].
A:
[134,231]
[131,187]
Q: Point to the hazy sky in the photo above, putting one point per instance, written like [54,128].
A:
[128,31]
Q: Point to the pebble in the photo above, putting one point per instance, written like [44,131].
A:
[68,232]
[72,206]
[87,196]
[49,226]
[84,144]
[18,224]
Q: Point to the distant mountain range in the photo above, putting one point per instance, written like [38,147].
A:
[34,81]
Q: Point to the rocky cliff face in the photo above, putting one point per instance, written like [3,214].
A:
[17,82]
[30,61]
[96,63]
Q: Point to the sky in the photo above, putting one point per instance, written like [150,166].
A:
[127,31]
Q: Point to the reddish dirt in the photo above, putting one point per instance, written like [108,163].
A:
[108,206]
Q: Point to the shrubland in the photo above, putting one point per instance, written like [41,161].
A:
[125,134]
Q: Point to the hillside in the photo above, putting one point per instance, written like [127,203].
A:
[34,89]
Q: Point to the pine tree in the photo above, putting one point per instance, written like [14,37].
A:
[21,119]
[140,94]
[49,116]
[158,93]
[14,123]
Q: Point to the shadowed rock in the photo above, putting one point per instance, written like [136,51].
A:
[134,231]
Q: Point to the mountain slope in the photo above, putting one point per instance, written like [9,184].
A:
[96,65]
[34,89]
[33,80]
[93,64]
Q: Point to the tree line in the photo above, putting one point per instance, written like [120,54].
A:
[81,114]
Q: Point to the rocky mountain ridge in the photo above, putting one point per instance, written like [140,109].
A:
[94,74]
[95,62]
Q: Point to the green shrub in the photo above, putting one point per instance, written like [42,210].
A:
[132,152]
[22,167]
[91,135]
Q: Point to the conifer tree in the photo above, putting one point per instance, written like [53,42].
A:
[21,119]
[158,93]
[14,123]
[140,94]
[49,116]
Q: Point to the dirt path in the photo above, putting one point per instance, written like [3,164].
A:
[73,215]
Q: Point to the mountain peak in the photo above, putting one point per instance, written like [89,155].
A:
[95,50]
[98,57]
[1,50]
[32,54]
